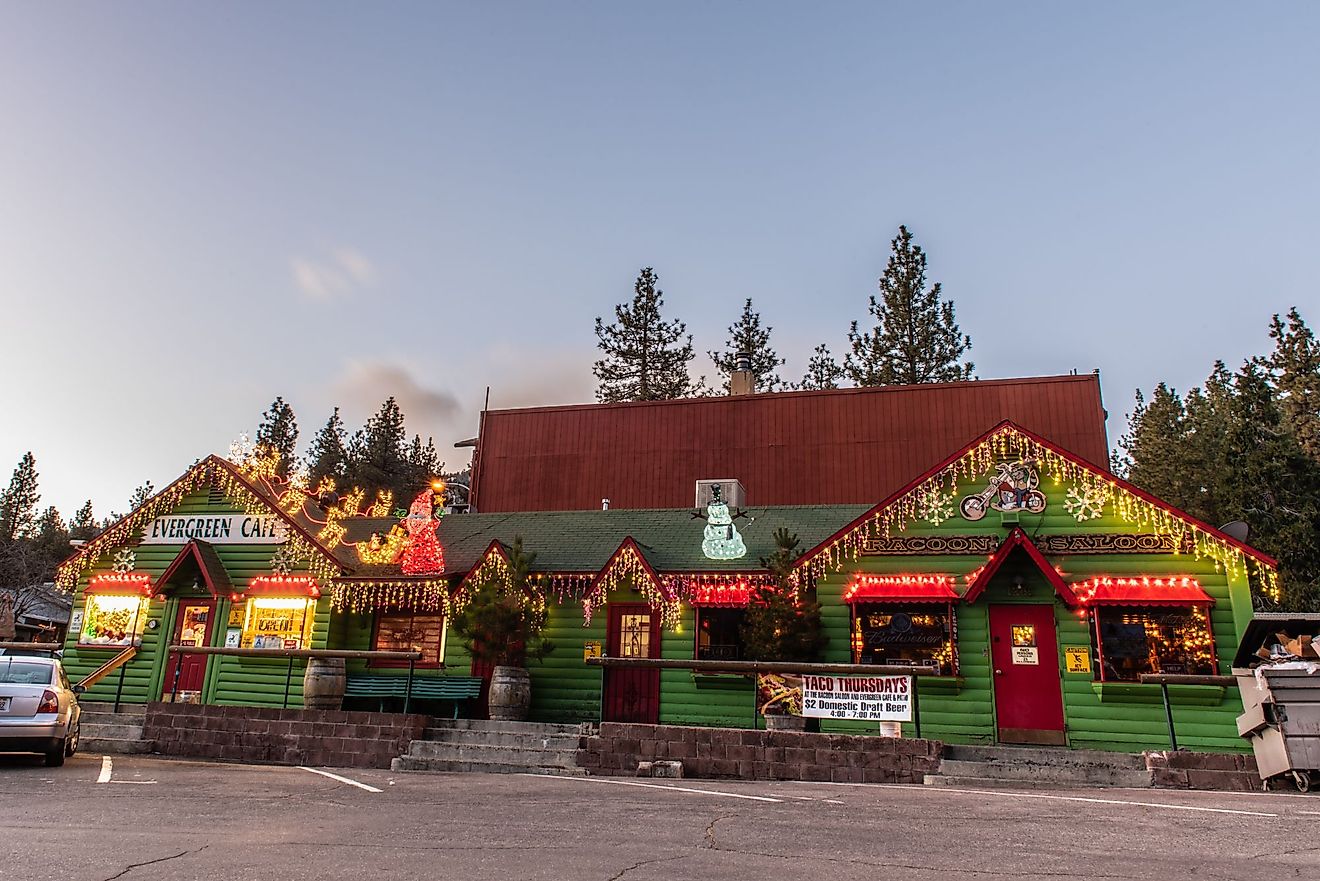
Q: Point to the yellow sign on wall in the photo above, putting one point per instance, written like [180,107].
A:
[590,650]
[1078,659]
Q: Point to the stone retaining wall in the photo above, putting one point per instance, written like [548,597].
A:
[288,737]
[1191,770]
[761,755]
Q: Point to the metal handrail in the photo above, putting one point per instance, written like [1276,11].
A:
[1164,680]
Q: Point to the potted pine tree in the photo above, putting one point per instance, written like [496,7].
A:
[501,625]
[782,624]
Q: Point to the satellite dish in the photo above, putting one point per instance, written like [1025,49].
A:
[1238,529]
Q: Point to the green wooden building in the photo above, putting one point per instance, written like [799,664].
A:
[1028,589]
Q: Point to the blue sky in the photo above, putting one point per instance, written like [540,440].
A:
[202,207]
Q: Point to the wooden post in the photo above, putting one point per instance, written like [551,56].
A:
[407,693]
[1168,714]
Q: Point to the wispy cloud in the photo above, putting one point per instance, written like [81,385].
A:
[341,274]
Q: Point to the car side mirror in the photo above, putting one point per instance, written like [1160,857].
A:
[78,689]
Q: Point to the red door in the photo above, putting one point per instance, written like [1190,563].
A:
[632,695]
[1025,655]
[194,626]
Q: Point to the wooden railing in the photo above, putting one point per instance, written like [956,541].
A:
[51,647]
[295,654]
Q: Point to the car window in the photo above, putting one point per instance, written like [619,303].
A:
[17,671]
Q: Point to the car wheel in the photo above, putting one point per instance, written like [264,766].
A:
[71,742]
[55,757]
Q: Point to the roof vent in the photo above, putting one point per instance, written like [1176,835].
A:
[731,493]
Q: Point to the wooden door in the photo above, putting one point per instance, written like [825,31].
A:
[632,695]
[1025,658]
[185,674]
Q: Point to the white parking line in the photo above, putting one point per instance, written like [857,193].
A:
[340,779]
[107,768]
[1079,798]
[656,786]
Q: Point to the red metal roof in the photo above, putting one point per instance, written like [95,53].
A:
[901,588]
[1142,591]
[843,446]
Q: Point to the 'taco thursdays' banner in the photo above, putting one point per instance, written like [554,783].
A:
[883,698]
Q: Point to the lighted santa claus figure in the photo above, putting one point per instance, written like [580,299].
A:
[422,554]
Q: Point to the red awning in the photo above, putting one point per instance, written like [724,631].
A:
[901,588]
[283,586]
[121,584]
[1142,591]
[730,594]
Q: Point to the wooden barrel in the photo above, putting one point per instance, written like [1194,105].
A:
[510,694]
[783,722]
[323,684]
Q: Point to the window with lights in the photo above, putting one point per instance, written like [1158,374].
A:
[1155,639]
[719,633]
[410,631]
[917,634]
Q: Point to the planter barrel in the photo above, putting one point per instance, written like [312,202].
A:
[323,684]
[510,694]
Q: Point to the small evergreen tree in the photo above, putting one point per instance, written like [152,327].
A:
[646,357]
[823,372]
[378,455]
[1295,368]
[140,496]
[278,433]
[502,622]
[18,503]
[424,463]
[779,624]
[1156,444]
[748,336]
[915,338]
[328,455]
[83,526]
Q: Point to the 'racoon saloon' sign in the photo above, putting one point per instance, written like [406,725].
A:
[221,529]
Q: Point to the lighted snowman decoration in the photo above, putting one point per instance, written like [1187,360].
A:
[721,541]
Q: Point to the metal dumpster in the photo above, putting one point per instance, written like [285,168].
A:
[1281,700]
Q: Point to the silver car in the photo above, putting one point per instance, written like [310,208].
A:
[39,710]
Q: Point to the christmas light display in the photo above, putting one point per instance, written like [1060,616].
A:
[721,540]
[732,594]
[380,551]
[628,568]
[900,588]
[422,554]
[121,583]
[1008,443]
[1142,591]
[365,595]
[281,585]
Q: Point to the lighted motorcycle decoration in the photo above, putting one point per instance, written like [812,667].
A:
[1012,488]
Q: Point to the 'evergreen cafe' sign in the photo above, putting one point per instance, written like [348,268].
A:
[234,529]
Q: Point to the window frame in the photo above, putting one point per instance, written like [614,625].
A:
[696,630]
[420,664]
[950,631]
[138,621]
[1097,642]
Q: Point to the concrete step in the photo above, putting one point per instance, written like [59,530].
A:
[111,730]
[536,729]
[118,745]
[1044,756]
[961,782]
[410,763]
[1045,775]
[504,755]
[109,707]
[113,718]
[503,738]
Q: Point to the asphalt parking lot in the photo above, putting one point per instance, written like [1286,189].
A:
[142,818]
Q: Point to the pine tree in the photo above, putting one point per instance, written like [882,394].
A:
[779,625]
[1155,445]
[748,336]
[1295,366]
[278,433]
[328,455]
[915,338]
[1273,485]
[18,503]
[1208,413]
[83,525]
[823,372]
[378,456]
[140,496]
[646,358]
[424,463]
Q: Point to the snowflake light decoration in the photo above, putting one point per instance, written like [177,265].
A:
[284,560]
[1086,502]
[125,560]
[935,506]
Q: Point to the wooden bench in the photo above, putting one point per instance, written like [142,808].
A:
[441,688]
